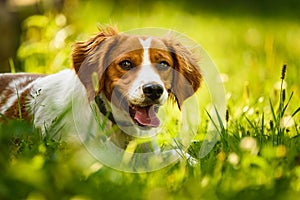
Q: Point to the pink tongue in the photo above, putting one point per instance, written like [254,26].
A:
[146,116]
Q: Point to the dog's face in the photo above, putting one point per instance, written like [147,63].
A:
[136,74]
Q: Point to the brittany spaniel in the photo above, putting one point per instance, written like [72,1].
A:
[122,78]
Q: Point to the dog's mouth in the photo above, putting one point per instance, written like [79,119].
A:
[145,116]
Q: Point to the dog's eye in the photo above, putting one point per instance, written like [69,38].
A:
[126,64]
[163,65]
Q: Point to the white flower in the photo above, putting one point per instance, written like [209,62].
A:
[287,122]
[249,144]
[233,159]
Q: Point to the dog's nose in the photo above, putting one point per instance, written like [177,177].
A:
[153,91]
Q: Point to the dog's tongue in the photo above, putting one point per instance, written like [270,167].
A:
[146,116]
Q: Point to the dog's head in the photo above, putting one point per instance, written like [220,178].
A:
[136,72]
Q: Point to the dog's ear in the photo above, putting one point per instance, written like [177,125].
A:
[186,76]
[88,58]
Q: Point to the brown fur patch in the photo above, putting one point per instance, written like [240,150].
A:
[14,94]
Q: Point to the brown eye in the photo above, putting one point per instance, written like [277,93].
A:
[163,65]
[126,65]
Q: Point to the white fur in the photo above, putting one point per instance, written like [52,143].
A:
[146,45]
[61,99]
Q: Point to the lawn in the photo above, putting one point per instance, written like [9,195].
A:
[257,155]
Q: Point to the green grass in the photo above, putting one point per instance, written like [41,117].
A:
[257,155]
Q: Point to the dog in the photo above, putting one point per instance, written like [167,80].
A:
[122,78]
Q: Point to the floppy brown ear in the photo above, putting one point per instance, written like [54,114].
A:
[186,76]
[87,58]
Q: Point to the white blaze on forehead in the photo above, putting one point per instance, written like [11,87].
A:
[146,45]
[146,74]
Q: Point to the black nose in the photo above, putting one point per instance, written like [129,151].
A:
[153,91]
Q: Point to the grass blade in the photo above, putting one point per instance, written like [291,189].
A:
[296,111]
[213,122]
[262,127]
[287,104]
[220,120]
[273,111]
